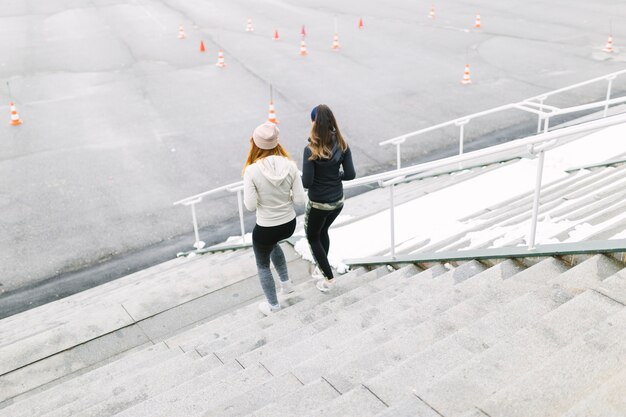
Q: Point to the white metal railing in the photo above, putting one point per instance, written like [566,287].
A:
[537,145]
[195,199]
[535,105]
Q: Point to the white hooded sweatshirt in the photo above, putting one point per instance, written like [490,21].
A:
[272,186]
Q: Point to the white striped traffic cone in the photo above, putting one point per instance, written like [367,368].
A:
[220,59]
[477,22]
[466,76]
[249,27]
[181,32]
[609,45]
[15,118]
[272,114]
[303,50]
[335,46]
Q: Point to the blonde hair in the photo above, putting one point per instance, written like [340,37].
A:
[323,130]
[255,153]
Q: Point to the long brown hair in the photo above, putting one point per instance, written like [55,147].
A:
[324,132]
[255,153]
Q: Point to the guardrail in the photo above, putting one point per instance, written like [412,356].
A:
[537,145]
[535,105]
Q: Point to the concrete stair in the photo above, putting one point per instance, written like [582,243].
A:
[442,339]
[596,198]
[498,337]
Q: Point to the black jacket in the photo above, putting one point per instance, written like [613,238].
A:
[322,177]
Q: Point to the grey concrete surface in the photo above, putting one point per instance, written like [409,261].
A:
[606,401]
[67,390]
[121,118]
[454,393]
[300,401]
[129,389]
[56,362]
[559,383]
[410,407]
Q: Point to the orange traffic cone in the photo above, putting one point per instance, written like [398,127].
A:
[15,119]
[466,76]
[220,59]
[202,49]
[249,27]
[335,46]
[431,14]
[303,50]
[181,32]
[477,22]
[609,45]
[272,114]
[303,32]
[361,23]
[276,37]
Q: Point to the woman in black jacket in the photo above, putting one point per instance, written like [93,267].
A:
[327,161]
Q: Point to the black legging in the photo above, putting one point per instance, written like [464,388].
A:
[316,227]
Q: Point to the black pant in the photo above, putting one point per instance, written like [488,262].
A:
[316,224]
[265,245]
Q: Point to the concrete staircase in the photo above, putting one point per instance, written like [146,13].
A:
[585,205]
[510,337]
[529,337]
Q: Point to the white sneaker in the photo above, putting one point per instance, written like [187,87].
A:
[317,274]
[267,309]
[325,285]
[286,287]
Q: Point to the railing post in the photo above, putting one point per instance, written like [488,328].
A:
[608,94]
[535,214]
[198,243]
[398,158]
[393,223]
[541,100]
[546,124]
[240,205]
[461,124]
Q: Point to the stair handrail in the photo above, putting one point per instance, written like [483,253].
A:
[533,105]
[544,112]
[537,145]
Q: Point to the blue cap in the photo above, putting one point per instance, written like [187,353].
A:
[313,113]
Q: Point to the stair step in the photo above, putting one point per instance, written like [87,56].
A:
[304,297]
[299,402]
[53,314]
[126,390]
[246,315]
[76,359]
[370,363]
[476,338]
[327,361]
[358,402]
[571,373]
[198,394]
[484,374]
[342,320]
[70,390]
[606,401]
[255,398]
[412,406]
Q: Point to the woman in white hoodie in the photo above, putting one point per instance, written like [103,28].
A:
[272,186]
